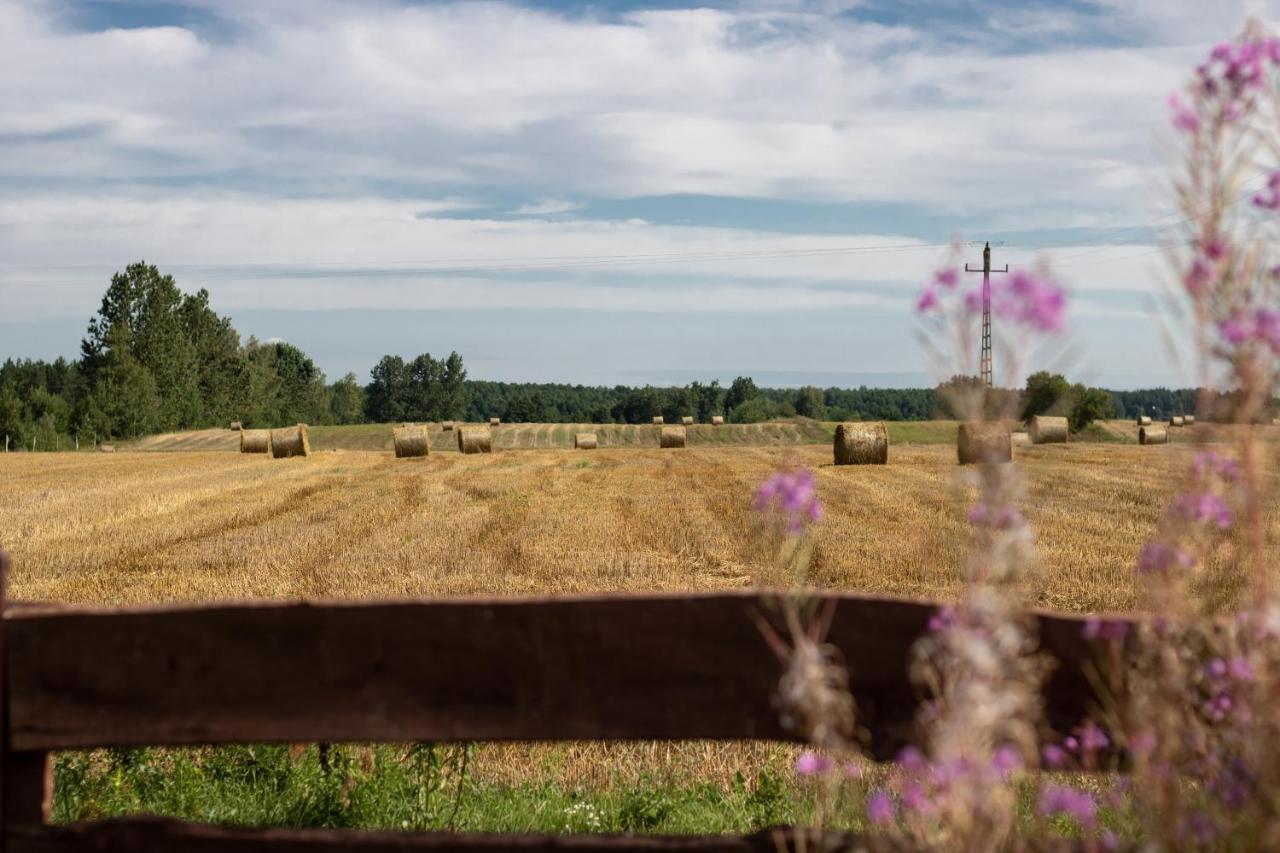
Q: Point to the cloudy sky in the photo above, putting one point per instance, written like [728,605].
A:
[605,192]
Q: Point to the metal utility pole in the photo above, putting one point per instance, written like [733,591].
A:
[984,361]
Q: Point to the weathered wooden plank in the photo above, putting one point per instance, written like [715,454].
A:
[604,667]
[28,787]
[158,835]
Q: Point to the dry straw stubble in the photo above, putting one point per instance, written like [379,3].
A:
[290,441]
[978,442]
[255,441]
[672,436]
[410,441]
[1045,429]
[861,444]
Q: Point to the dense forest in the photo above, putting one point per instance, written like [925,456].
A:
[154,359]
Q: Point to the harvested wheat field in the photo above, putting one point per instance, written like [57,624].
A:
[154,527]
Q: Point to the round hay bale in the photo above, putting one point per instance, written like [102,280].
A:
[493,422]
[447,426]
[862,444]
[657,420]
[1153,435]
[410,441]
[475,440]
[290,441]
[236,425]
[717,420]
[1188,420]
[979,442]
[672,436]
[1144,420]
[255,441]
[1019,439]
[687,420]
[106,448]
[585,441]
[1175,421]
[1044,429]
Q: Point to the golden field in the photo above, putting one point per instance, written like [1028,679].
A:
[148,527]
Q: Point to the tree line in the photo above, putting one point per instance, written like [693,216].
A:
[155,359]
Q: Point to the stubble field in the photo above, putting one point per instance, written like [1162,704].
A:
[147,527]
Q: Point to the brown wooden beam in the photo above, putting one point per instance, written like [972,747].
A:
[599,667]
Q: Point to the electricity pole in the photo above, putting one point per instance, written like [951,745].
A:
[984,360]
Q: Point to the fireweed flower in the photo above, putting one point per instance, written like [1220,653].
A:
[1065,800]
[1202,507]
[1182,116]
[880,808]
[812,764]
[792,497]
[1032,300]
[1158,557]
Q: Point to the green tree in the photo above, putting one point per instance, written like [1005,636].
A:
[346,401]
[810,403]
[1089,405]
[387,394]
[453,392]
[742,390]
[1046,393]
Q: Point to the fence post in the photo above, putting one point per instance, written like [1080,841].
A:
[26,778]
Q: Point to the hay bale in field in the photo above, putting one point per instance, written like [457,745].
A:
[1153,435]
[862,444]
[410,441]
[255,441]
[407,424]
[687,420]
[979,442]
[106,448]
[290,441]
[672,436]
[1188,420]
[717,420]
[236,425]
[585,441]
[447,426]
[1144,420]
[475,440]
[1019,439]
[1044,429]
[657,420]
[493,422]
[1175,421]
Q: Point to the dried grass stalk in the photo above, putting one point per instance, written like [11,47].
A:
[255,441]
[410,441]
[1153,435]
[585,441]
[862,444]
[979,442]
[1045,429]
[672,436]
[475,440]
[290,441]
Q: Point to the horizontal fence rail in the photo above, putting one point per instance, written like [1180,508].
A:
[591,668]
[495,669]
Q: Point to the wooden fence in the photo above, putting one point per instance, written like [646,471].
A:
[598,667]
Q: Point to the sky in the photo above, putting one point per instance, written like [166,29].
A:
[613,192]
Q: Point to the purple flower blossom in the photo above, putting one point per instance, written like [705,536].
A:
[812,764]
[1053,755]
[911,759]
[1201,507]
[1183,118]
[1198,275]
[1158,557]
[1096,628]
[944,618]
[1005,760]
[1064,800]
[928,300]
[914,799]
[1092,738]
[792,495]
[879,808]
[947,277]
[1240,669]
[1029,299]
